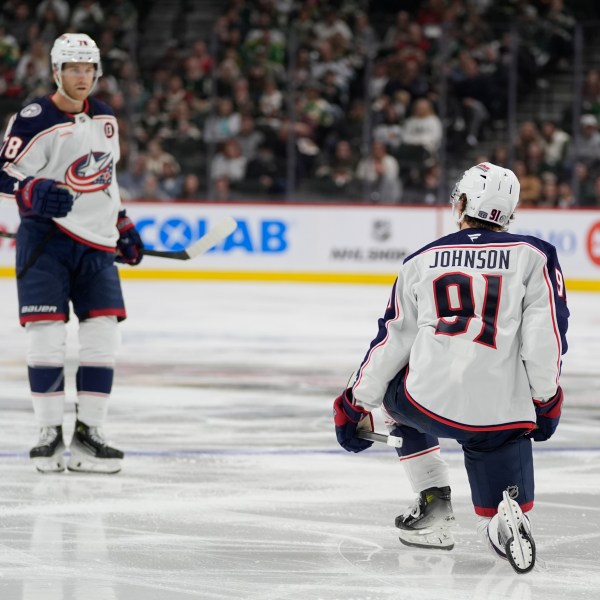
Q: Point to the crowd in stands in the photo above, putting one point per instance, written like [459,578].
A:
[346,99]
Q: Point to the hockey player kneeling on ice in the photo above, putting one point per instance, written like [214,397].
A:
[469,348]
[58,160]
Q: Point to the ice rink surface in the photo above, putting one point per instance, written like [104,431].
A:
[234,487]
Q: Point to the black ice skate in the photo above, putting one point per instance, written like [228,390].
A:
[514,535]
[90,453]
[428,523]
[47,456]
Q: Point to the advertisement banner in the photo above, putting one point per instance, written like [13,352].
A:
[324,243]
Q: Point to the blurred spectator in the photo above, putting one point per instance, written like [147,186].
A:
[554,142]
[549,193]
[474,95]
[326,61]
[49,25]
[423,127]
[380,170]
[175,95]
[331,26]
[531,185]
[500,155]
[379,79]
[338,174]
[152,122]
[302,26]
[9,57]
[224,124]
[191,188]
[20,24]
[249,138]
[566,199]
[87,17]
[151,189]
[594,200]
[132,180]
[390,131]
[242,100]
[590,93]
[171,180]
[586,148]
[270,102]
[534,160]
[264,173]
[60,8]
[408,77]
[528,133]
[364,39]
[33,73]
[397,33]
[160,163]
[228,167]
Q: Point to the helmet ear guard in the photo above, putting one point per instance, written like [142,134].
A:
[74,48]
[492,194]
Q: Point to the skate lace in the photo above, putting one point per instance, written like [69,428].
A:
[47,435]
[415,510]
[96,435]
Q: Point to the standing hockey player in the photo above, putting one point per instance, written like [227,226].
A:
[469,348]
[58,160]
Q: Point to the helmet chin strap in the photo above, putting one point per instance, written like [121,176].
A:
[64,94]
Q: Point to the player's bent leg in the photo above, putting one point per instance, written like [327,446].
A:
[428,523]
[508,534]
[45,358]
[90,452]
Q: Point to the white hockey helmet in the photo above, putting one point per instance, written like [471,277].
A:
[74,48]
[492,193]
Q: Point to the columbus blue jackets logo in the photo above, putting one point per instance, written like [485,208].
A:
[90,173]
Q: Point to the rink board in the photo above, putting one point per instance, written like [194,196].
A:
[325,243]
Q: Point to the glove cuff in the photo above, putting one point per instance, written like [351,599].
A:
[24,194]
[353,412]
[552,407]
[124,223]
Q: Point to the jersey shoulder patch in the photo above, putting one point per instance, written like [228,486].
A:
[31,110]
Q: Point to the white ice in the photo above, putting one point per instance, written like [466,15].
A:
[233,485]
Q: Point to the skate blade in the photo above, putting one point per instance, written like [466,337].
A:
[49,464]
[86,464]
[520,548]
[442,539]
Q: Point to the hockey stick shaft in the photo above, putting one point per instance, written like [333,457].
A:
[371,436]
[217,234]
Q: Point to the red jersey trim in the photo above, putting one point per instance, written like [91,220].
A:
[417,454]
[490,512]
[107,312]
[42,317]
[529,425]
[84,241]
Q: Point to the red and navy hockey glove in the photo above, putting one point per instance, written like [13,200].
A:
[348,418]
[130,248]
[548,416]
[44,197]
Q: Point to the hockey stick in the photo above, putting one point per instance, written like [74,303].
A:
[218,233]
[390,440]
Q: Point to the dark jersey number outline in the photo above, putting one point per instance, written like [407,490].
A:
[454,319]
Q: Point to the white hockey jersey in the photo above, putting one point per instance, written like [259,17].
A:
[480,319]
[80,150]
